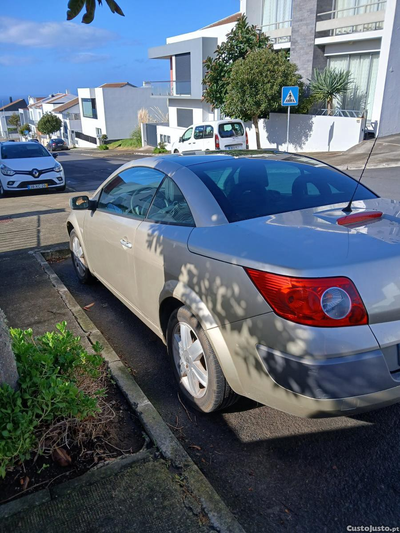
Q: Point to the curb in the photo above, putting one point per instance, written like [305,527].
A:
[220,516]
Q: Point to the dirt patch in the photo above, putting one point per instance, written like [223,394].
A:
[122,434]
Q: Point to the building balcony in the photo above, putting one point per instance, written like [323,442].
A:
[171,88]
[351,20]
[279,33]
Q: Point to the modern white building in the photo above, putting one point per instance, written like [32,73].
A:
[362,36]
[69,114]
[39,105]
[112,110]
[7,131]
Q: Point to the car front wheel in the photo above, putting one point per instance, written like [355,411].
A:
[78,259]
[195,365]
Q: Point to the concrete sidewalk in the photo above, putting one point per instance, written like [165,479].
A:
[386,153]
[155,491]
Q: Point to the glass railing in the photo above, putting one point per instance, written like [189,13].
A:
[169,88]
[343,13]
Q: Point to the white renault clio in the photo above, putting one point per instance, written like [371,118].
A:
[28,165]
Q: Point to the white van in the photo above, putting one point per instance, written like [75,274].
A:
[218,135]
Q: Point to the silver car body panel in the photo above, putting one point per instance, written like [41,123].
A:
[203,267]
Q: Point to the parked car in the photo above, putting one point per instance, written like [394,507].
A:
[218,135]
[57,144]
[26,166]
[253,275]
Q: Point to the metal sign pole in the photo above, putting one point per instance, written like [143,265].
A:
[287,131]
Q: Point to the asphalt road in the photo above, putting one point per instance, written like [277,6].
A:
[276,472]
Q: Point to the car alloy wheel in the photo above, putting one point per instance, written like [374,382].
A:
[189,359]
[78,259]
[196,368]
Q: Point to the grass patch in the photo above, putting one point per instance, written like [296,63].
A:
[60,386]
[124,143]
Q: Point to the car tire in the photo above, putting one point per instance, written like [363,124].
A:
[211,392]
[78,259]
[176,151]
[2,192]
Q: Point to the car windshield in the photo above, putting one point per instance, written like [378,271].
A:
[230,129]
[251,188]
[23,151]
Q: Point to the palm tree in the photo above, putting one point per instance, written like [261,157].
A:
[329,84]
[76,6]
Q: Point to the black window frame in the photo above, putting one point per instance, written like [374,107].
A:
[94,107]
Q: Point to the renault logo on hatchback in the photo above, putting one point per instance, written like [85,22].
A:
[35,173]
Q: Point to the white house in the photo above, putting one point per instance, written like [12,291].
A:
[70,116]
[362,36]
[112,110]
[7,131]
[38,106]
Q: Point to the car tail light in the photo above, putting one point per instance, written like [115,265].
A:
[247,140]
[319,302]
[216,142]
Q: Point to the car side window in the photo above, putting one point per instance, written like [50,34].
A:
[187,135]
[170,206]
[199,132]
[131,192]
[208,132]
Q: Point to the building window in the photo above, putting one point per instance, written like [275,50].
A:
[184,117]
[364,72]
[182,74]
[98,132]
[89,107]
[277,14]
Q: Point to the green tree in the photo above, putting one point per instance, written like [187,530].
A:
[49,124]
[241,40]
[329,84]
[76,6]
[24,129]
[14,121]
[255,85]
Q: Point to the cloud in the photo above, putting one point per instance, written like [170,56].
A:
[86,57]
[52,34]
[15,61]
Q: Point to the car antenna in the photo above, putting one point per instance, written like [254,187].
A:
[347,209]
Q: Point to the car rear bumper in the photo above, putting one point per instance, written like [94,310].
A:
[329,372]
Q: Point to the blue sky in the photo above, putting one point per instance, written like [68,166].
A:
[41,53]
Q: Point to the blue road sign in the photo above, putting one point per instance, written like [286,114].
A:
[290,96]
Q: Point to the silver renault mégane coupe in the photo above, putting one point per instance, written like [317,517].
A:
[257,274]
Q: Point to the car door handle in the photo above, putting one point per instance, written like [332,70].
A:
[125,243]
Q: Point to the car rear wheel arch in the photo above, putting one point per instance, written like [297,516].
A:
[167,307]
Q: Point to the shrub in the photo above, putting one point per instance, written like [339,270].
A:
[103,147]
[160,149]
[136,137]
[50,368]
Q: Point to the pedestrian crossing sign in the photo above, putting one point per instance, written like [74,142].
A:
[290,96]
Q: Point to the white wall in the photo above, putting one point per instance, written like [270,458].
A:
[308,133]
[174,133]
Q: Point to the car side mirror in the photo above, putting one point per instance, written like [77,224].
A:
[55,156]
[78,203]
[180,139]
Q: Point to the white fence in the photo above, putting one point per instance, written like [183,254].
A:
[308,133]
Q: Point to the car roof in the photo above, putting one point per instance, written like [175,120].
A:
[271,155]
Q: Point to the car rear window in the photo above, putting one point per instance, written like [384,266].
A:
[251,188]
[231,129]
[22,151]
